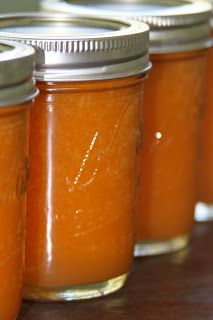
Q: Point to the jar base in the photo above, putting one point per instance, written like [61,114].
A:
[203,212]
[150,248]
[81,292]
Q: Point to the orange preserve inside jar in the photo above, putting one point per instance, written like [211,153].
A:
[204,207]
[16,94]
[85,141]
[170,150]
[173,95]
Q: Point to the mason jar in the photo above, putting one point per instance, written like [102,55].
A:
[17,92]
[85,142]
[174,95]
[204,207]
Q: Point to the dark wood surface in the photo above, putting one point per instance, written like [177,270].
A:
[170,287]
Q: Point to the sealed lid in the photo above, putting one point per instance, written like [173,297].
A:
[16,68]
[176,25]
[211,1]
[72,48]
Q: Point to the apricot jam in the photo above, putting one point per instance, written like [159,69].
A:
[179,38]
[16,94]
[89,137]
[204,207]
[85,138]
[170,147]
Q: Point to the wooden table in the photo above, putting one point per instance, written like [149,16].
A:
[171,287]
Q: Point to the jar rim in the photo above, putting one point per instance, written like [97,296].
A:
[80,48]
[162,16]
[157,13]
[16,69]
[16,63]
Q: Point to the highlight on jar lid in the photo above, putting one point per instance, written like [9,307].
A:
[74,48]
[16,68]
[176,25]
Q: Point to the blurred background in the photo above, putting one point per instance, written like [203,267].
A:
[18,5]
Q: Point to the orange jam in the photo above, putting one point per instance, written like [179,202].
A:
[179,38]
[205,178]
[173,97]
[16,93]
[84,151]
[85,139]
[13,182]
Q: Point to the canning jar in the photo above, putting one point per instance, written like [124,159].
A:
[204,207]
[173,96]
[16,93]
[85,141]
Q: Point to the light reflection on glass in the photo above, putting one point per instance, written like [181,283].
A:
[158,135]
[49,167]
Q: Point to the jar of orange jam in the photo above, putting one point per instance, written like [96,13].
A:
[204,207]
[85,141]
[16,93]
[179,37]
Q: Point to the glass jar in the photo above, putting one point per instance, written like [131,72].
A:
[204,207]
[16,94]
[170,150]
[179,38]
[84,150]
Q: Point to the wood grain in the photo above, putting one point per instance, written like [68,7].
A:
[170,287]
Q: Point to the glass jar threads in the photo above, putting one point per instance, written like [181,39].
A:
[84,151]
[17,91]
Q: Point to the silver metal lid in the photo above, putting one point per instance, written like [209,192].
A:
[16,68]
[176,25]
[211,1]
[72,48]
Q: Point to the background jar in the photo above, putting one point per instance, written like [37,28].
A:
[204,207]
[16,93]
[84,151]
[173,95]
